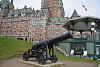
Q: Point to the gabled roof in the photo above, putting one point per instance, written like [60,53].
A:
[75,14]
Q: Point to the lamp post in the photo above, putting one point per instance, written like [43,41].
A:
[92,30]
[93,38]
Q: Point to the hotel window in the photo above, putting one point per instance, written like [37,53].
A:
[55,4]
[32,39]
[41,28]
[36,40]
[55,11]
[54,14]
[40,34]
[22,26]
[54,1]
[37,20]
[20,31]
[39,39]
[21,22]
[42,19]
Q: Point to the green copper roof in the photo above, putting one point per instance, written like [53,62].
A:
[81,23]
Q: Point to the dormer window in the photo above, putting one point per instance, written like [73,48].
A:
[19,14]
[12,15]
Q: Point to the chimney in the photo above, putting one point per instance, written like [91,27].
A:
[12,1]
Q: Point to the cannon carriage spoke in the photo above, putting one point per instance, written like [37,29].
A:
[41,59]
[25,56]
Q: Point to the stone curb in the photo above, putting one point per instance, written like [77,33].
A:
[35,63]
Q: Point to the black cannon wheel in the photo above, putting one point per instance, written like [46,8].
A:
[41,59]
[25,57]
[54,59]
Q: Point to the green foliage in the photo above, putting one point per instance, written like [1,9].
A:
[10,47]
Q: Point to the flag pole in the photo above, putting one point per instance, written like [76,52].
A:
[82,8]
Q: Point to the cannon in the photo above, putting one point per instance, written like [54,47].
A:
[44,50]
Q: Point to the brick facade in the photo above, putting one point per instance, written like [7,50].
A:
[54,8]
[37,28]
[31,25]
[15,27]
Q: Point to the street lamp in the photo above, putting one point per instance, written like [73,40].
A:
[92,30]
[93,38]
[93,26]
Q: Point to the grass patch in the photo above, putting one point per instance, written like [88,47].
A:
[10,47]
[62,57]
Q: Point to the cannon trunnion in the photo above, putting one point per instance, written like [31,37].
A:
[44,50]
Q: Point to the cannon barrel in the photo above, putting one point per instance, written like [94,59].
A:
[52,41]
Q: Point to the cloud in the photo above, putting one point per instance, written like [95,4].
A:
[30,3]
[91,5]
[69,6]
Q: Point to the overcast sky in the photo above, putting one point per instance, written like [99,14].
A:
[93,6]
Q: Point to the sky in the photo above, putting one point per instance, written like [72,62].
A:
[92,6]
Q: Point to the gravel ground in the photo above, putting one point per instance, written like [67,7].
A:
[77,64]
[14,62]
[99,65]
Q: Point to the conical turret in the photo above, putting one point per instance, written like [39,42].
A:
[74,14]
